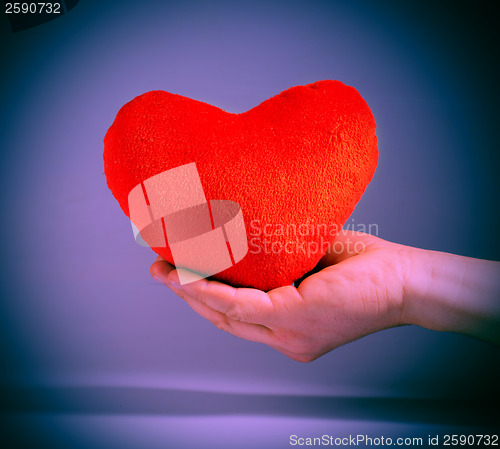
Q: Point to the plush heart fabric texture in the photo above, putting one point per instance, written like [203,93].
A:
[297,164]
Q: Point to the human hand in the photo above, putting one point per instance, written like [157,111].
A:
[359,290]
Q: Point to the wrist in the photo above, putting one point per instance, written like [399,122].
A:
[417,287]
[446,292]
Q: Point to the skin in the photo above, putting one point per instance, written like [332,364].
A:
[362,285]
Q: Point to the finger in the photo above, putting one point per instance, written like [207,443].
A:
[247,331]
[160,269]
[247,305]
[346,244]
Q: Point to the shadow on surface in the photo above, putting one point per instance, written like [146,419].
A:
[175,402]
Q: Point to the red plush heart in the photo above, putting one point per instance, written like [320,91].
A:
[297,164]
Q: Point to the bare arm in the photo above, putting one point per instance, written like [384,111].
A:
[447,292]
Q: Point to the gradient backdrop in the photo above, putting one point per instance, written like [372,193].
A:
[94,353]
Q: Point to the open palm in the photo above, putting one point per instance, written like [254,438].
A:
[357,288]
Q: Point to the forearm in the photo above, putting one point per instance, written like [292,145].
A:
[452,293]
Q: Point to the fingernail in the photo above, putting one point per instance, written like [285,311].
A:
[172,284]
[173,281]
[168,282]
[159,279]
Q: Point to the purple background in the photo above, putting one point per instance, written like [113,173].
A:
[110,358]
